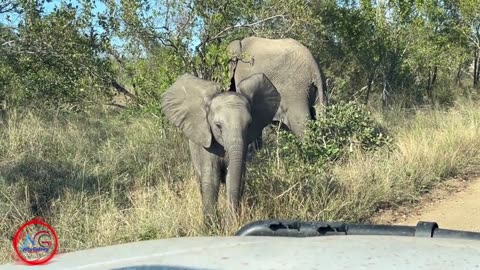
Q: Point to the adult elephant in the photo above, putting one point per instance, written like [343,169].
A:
[219,126]
[291,68]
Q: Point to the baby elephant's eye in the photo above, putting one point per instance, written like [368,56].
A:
[218,126]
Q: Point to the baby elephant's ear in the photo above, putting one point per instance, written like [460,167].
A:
[264,99]
[184,104]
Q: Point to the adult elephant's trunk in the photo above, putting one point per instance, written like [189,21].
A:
[236,168]
[297,120]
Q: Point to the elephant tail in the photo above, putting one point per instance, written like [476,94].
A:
[321,94]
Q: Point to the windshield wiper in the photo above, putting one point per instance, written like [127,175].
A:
[294,228]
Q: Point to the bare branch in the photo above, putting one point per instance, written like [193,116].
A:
[8,42]
[167,17]
[8,6]
[124,91]
[288,30]
[247,25]
[189,21]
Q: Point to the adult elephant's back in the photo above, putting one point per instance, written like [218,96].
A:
[293,70]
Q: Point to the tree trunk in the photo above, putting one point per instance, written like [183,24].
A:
[435,72]
[369,88]
[476,67]
[3,113]
[384,92]
[432,78]
[458,78]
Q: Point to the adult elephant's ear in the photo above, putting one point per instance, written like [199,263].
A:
[184,104]
[264,99]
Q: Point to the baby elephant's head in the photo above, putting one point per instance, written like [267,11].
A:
[233,119]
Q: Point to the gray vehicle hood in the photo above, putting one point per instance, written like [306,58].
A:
[260,252]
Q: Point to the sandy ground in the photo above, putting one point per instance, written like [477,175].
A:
[453,205]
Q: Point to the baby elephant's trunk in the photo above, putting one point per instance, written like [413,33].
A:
[234,181]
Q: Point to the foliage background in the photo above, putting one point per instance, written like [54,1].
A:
[389,53]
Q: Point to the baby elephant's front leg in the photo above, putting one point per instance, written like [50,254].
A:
[210,184]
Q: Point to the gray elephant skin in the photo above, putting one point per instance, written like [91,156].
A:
[292,69]
[219,126]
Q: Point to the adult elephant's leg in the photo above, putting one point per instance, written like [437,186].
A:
[258,143]
[251,150]
[253,147]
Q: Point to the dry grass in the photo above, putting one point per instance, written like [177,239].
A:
[102,179]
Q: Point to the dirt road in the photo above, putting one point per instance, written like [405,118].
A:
[456,205]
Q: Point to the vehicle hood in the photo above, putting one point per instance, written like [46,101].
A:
[260,252]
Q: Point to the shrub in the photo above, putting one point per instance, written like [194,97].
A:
[344,128]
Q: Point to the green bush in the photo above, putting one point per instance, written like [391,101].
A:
[51,62]
[344,128]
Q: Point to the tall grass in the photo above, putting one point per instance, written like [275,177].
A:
[104,178]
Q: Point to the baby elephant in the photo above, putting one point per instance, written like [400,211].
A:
[219,126]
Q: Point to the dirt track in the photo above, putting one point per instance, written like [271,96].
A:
[455,205]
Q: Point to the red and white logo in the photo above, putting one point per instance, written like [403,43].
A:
[35,242]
